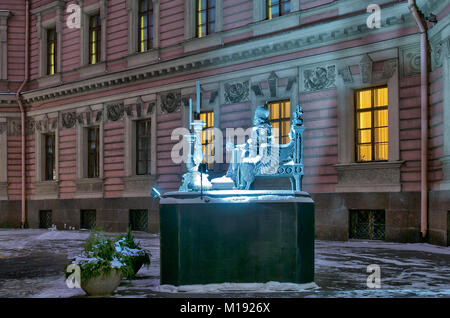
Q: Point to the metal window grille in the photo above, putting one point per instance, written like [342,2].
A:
[145,25]
[205,17]
[367,224]
[94,38]
[51,51]
[143,139]
[45,219]
[280,119]
[277,8]
[88,219]
[138,220]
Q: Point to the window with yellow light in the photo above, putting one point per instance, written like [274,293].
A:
[94,38]
[205,17]
[145,25]
[372,138]
[280,119]
[277,8]
[208,138]
[51,51]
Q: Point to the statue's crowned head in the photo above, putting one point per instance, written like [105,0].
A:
[262,114]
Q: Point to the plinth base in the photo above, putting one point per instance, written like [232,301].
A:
[236,236]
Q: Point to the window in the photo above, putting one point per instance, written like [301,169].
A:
[45,219]
[372,124]
[50,171]
[94,38]
[208,138]
[205,17]
[145,25]
[143,157]
[51,51]
[138,220]
[280,118]
[276,8]
[93,152]
[367,224]
[88,219]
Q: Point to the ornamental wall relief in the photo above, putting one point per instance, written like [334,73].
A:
[235,93]
[319,78]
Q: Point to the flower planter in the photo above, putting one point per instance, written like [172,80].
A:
[102,285]
[137,264]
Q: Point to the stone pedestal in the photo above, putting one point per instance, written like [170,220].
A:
[236,236]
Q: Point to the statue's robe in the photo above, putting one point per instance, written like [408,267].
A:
[254,158]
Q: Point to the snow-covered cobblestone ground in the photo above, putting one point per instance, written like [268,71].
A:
[32,265]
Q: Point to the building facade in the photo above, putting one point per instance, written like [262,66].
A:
[109,81]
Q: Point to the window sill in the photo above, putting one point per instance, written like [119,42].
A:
[138,186]
[49,80]
[92,69]
[203,42]
[369,177]
[141,58]
[276,24]
[44,190]
[89,188]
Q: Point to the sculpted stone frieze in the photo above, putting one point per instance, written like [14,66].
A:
[320,77]
[236,92]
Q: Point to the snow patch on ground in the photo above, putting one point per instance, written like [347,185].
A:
[236,287]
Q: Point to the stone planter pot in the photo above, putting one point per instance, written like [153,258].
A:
[102,285]
[137,264]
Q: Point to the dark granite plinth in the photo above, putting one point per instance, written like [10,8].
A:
[238,236]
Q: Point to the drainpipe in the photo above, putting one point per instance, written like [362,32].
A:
[22,114]
[424,116]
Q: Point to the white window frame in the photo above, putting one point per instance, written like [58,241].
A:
[4,15]
[189,19]
[82,153]
[87,11]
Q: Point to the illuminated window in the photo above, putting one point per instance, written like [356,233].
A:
[372,124]
[208,138]
[143,147]
[277,8]
[51,51]
[145,27]
[93,152]
[205,17]
[280,118]
[50,172]
[94,38]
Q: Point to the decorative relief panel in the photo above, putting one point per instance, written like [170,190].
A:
[170,102]
[365,68]
[236,93]
[437,54]
[319,78]
[410,61]
[115,111]
[346,75]
[15,127]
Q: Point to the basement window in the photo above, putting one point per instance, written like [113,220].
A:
[45,219]
[88,219]
[138,220]
[367,224]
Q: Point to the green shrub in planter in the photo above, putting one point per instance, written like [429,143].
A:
[132,253]
[99,261]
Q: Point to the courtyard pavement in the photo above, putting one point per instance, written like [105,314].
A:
[32,265]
